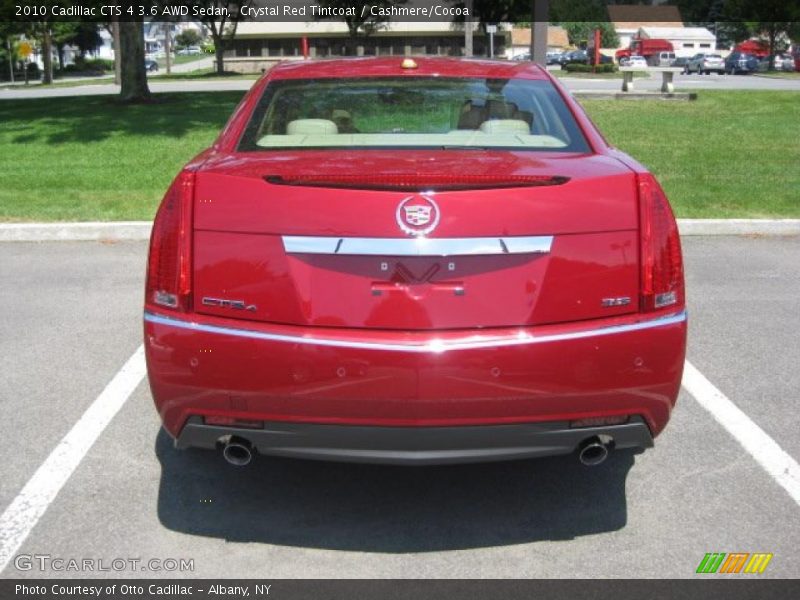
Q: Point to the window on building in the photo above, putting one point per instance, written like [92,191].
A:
[273,48]
[705,45]
[688,44]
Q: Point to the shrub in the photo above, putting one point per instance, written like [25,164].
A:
[577,68]
[582,68]
[92,64]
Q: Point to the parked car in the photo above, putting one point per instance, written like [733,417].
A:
[190,51]
[486,279]
[705,63]
[740,62]
[682,62]
[779,62]
[637,61]
[150,66]
[554,58]
[661,59]
[576,56]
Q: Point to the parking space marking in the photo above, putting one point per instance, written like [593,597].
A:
[766,451]
[27,508]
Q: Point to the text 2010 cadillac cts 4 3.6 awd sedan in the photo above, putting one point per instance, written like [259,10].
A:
[414,262]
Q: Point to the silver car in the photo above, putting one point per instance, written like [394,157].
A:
[705,63]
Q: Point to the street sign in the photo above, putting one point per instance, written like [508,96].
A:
[24,49]
[491,29]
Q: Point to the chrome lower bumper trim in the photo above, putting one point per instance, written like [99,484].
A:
[420,246]
[435,346]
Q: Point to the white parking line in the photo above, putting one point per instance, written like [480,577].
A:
[775,461]
[27,508]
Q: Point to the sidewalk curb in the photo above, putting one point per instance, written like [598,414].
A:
[739,226]
[140,230]
[92,231]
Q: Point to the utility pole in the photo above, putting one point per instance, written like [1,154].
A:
[168,45]
[540,13]
[468,30]
[10,59]
[115,43]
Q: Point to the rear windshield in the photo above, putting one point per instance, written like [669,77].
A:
[412,112]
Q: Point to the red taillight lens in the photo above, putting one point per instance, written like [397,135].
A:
[170,262]
[662,264]
[416,182]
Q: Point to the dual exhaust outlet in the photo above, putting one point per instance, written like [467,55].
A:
[238,452]
[592,451]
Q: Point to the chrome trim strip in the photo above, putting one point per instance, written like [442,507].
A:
[434,346]
[419,246]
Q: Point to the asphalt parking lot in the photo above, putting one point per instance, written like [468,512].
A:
[72,318]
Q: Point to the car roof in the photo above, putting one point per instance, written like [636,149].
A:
[392,66]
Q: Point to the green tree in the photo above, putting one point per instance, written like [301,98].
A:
[358,26]
[772,21]
[188,37]
[222,29]
[63,34]
[581,33]
[580,18]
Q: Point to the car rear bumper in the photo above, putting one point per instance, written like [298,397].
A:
[537,376]
[415,445]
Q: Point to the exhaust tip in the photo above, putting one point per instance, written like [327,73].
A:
[238,452]
[593,452]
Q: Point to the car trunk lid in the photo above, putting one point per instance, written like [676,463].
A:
[404,240]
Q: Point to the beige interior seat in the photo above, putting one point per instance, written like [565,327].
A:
[505,126]
[311,127]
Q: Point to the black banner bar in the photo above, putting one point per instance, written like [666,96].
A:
[704,587]
[382,11]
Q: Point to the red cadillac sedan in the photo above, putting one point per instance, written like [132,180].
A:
[414,261]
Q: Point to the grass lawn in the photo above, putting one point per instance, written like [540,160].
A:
[181,59]
[89,158]
[728,154]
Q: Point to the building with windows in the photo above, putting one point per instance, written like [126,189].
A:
[687,41]
[257,46]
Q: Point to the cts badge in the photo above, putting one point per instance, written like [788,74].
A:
[417,215]
[223,303]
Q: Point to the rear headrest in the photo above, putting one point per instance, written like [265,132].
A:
[311,127]
[505,126]
[497,109]
[471,116]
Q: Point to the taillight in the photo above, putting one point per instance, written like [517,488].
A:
[169,266]
[662,264]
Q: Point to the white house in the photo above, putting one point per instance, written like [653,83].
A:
[687,41]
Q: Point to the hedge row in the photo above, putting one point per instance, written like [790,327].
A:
[582,68]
